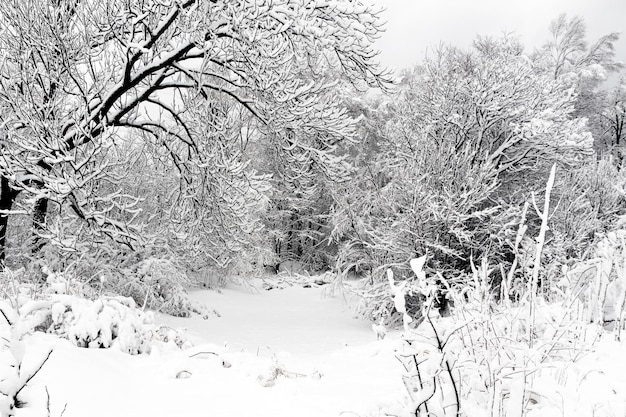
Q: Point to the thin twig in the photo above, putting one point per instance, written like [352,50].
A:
[32,375]
[431,396]
[419,379]
[5,317]
[203,353]
[448,369]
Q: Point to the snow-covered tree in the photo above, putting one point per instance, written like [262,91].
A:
[493,102]
[569,51]
[468,133]
[302,190]
[300,202]
[570,57]
[613,116]
[80,77]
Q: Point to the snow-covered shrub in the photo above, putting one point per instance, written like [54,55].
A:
[376,305]
[18,286]
[437,202]
[482,360]
[154,283]
[587,202]
[60,308]
[108,322]
[285,280]
[210,277]
[424,354]
[103,323]
[596,287]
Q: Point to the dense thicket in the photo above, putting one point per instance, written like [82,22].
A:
[467,144]
[242,135]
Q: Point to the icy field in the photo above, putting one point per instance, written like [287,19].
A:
[284,352]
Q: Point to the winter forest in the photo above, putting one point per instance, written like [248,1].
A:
[233,208]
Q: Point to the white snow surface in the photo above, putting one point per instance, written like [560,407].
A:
[301,321]
[284,352]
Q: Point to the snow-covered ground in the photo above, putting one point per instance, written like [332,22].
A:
[284,352]
[279,353]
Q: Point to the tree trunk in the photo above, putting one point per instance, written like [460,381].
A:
[39,220]
[7,198]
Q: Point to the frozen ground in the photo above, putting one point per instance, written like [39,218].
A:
[285,352]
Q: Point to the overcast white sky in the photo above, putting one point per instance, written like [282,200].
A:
[415,25]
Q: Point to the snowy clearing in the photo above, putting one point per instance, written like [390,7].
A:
[283,352]
[445,240]
[290,352]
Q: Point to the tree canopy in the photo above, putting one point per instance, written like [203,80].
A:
[189,79]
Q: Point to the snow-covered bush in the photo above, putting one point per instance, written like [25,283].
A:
[587,202]
[285,280]
[103,323]
[424,354]
[154,283]
[60,307]
[482,360]
[596,287]
[376,305]
[435,201]
[505,351]
[107,322]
